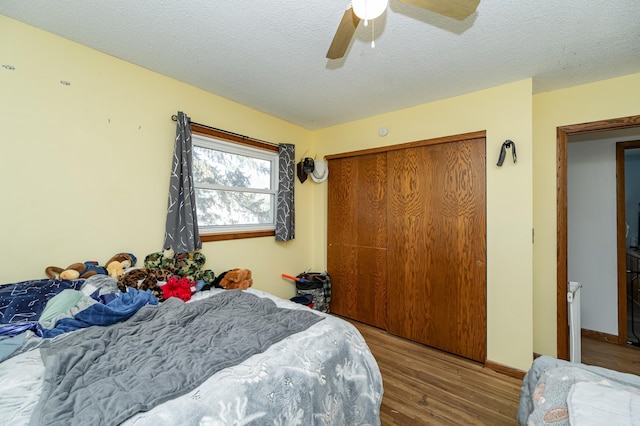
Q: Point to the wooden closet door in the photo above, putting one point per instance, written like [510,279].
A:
[357,238]
[437,246]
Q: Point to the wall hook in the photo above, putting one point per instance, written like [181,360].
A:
[503,152]
[304,167]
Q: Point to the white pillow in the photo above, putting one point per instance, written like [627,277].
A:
[599,404]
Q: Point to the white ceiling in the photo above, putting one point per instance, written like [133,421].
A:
[270,55]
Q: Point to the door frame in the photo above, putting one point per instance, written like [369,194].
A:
[562,319]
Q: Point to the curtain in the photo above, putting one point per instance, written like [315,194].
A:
[182,222]
[285,217]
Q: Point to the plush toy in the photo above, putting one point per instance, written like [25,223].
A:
[183,265]
[181,288]
[75,271]
[168,253]
[144,279]
[237,278]
[163,259]
[119,263]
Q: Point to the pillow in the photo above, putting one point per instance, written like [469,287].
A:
[601,403]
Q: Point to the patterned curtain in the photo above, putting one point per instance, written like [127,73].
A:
[182,222]
[285,217]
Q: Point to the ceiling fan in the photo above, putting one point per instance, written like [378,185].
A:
[370,9]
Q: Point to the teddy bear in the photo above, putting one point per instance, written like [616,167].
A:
[237,278]
[75,271]
[119,263]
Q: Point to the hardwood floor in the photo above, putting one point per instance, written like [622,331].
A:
[425,386]
[625,358]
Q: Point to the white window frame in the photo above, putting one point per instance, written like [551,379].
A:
[211,142]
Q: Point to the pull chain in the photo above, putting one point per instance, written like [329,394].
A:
[373,34]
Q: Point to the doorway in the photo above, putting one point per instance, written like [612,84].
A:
[563,133]
[628,185]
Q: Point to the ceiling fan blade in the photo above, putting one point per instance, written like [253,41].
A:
[344,34]
[457,9]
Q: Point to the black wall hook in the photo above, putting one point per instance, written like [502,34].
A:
[503,152]
[304,167]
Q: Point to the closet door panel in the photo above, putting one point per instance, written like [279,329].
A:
[361,275]
[437,246]
[357,211]
[357,237]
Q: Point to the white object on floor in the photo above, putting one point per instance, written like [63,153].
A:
[573,300]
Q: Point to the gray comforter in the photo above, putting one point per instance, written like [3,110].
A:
[104,375]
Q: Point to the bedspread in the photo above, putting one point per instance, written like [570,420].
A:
[325,375]
[102,376]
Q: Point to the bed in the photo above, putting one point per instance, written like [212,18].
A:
[557,392]
[225,357]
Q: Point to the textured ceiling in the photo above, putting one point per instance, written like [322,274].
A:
[270,55]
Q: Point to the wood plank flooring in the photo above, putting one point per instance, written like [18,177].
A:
[425,386]
[625,358]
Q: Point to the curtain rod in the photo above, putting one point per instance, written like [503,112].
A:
[175,118]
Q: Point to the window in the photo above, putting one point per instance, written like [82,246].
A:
[235,185]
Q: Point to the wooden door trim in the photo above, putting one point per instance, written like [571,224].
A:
[562,323]
[414,144]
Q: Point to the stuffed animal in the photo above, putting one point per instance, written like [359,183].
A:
[75,271]
[144,279]
[119,263]
[183,265]
[163,259]
[181,288]
[237,278]
[168,253]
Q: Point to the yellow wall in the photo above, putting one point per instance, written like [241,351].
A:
[505,113]
[614,98]
[85,167]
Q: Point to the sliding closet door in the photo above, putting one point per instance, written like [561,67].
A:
[437,246]
[357,238]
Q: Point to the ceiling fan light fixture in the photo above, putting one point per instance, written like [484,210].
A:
[369,9]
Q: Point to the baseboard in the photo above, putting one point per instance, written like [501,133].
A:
[503,369]
[598,335]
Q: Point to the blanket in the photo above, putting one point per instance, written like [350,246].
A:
[119,309]
[25,301]
[102,376]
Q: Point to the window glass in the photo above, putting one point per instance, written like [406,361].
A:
[235,186]
[215,167]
